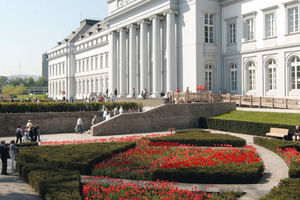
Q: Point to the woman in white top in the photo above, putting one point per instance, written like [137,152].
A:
[121,110]
[108,116]
[13,150]
[105,114]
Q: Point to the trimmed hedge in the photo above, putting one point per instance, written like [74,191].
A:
[228,174]
[55,170]
[27,144]
[62,107]
[200,137]
[81,157]
[245,127]
[287,189]
[273,144]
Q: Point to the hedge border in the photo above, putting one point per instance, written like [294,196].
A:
[250,128]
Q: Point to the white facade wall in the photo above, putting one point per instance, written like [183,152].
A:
[162,45]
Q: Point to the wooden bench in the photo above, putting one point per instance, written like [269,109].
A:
[171,129]
[277,132]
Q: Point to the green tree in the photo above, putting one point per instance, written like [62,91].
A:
[29,82]
[3,81]
[21,89]
[42,82]
[9,89]
[17,81]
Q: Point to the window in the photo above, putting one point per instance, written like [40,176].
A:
[79,66]
[92,63]
[209,28]
[233,77]
[101,61]
[63,68]
[208,77]
[87,65]
[83,66]
[271,67]
[106,60]
[270,25]
[96,62]
[293,20]
[231,33]
[295,72]
[251,75]
[249,29]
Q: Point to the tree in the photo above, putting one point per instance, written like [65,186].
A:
[14,90]
[29,82]
[42,82]
[9,89]
[21,89]
[17,81]
[3,81]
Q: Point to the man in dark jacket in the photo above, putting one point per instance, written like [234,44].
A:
[4,156]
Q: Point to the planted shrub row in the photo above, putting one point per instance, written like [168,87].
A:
[273,144]
[62,107]
[245,127]
[287,189]
[200,137]
[218,174]
[55,170]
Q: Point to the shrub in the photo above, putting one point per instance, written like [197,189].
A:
[200,137]
[218,174]
[245,127]
[27,144]
[274,144]
[62,107]
[287,189]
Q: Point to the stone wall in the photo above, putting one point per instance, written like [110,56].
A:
[161,118]
[55,122]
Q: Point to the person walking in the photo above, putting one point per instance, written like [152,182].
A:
[13,150]
[79,125]
[36,132]
[105,114]
[29,128]
[19,134]
[121,110]
[116,92]
[4,156]
[133,93]
[94,120]
[116,111]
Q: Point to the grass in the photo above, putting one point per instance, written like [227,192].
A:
[262,117]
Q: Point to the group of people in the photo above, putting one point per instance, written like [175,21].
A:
[8,151]
[31,133]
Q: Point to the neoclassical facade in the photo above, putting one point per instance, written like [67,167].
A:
[240,46]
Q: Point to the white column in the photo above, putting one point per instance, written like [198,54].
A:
[77,89]
[95,85]
[143,54]
[105,84]
[122,64]
[156,57]
[90,85]
[132,58]
[171,55]
[86,88]
[101,85]
[112,62]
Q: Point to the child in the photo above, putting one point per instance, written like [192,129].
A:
[26,137]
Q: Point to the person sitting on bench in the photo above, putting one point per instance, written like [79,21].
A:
[296,133]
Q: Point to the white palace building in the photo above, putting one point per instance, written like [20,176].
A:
[242,46]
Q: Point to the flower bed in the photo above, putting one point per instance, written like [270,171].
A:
[148,190]
[149,161]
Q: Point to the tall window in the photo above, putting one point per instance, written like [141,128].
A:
[92,63]
[208,77]
[249,29]
[295,72]
[270,25]
[209,28]
[106,60]
[63,68]
[231,33]
[79,66]
[83,66]
[87,65]
[101,61]
[251,75]
[233,77]
[96,62]
[293,20]
[271,67]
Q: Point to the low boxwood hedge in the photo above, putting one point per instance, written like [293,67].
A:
[245,127]
[287,189]
[218,174]
[274,144]
[62,107]
[200,137]
[55,170]
[27,144]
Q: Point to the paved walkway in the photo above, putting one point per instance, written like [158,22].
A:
[275,170]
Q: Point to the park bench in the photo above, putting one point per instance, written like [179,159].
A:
[171,130]
[278,132]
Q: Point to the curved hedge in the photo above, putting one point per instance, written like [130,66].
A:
[200,137]
[245,127]
[63,107]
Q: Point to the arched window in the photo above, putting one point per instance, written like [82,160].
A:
[295,72]
[233,77]
[208,77]
[251,75]
[271,73]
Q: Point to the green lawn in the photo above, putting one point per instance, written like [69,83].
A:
[264,117]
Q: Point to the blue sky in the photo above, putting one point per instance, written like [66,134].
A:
[30,27]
